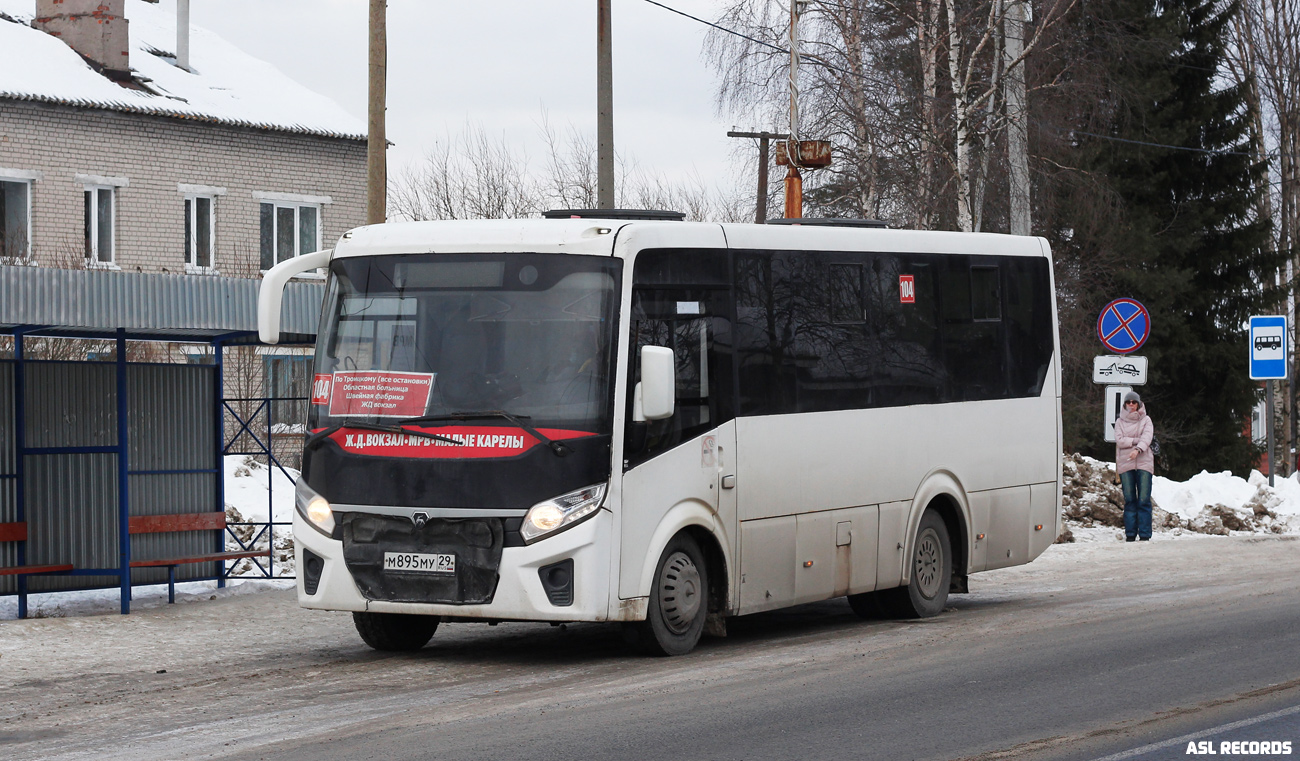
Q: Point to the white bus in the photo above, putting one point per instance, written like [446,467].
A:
[666,423]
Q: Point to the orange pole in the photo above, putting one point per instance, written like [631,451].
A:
[793,193]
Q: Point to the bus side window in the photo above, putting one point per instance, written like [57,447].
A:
[686,322]
[974,348]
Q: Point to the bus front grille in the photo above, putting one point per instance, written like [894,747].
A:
[475,543]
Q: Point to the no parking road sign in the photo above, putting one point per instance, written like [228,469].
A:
[1123,326]
[1268,348]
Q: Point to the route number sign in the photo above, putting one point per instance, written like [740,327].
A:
[1123,326]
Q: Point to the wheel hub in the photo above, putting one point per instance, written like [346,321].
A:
[680,594]
[929,563]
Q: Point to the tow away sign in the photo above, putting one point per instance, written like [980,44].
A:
[1112,369]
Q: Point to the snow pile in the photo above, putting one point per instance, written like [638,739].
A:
[256,494]
[1207,503]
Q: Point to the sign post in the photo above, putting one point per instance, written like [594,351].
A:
[1122,327]
[1268,352]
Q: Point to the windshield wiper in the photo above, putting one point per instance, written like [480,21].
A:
[558,447]
[320,436]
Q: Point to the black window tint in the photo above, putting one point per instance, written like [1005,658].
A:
[1029,323]
[826,331]
[985,293]
[837,351]
[911,365]
[848,298]
[765,342]
[694,324]
[973,348]
[681,266]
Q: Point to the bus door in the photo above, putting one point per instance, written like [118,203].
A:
[688,461]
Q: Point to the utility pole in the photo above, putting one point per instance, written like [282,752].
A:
[604,107]
[793,180]
[760,210]
[1013,32]
[377,140]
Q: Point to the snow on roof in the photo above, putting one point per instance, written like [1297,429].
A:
[227,85]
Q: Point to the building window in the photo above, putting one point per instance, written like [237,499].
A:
[288,229]
[15,220]
[288,382]
[200,232]
[100,202]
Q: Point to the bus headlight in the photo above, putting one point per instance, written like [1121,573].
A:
[314,508]
[559,513]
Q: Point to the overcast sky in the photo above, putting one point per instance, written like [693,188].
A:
[498,64]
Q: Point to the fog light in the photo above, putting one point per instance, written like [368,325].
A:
[313,565]
[557,581]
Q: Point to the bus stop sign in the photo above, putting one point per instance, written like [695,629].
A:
[1123,326]
[1268,348]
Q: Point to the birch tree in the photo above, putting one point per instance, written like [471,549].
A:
[907,91]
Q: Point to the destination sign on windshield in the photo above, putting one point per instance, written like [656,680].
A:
[374,393]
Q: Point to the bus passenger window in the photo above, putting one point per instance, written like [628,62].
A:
[691,324]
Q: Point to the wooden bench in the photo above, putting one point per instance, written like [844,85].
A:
[17,532]
[159,524]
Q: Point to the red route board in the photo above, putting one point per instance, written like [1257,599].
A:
[375,393]
[476,442]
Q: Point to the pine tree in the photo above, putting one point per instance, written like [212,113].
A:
[1178,163]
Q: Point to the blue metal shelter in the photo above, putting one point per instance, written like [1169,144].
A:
[87,446]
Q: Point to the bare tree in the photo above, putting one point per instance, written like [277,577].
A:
[468,176]
[904,90]
[474,176]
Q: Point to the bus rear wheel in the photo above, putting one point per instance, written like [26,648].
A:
[679,600]
[926,591]
[395,632]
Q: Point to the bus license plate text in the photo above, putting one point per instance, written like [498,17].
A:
[419,562]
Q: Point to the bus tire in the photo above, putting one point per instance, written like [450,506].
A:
[395,632]
[679,600]
[926,592]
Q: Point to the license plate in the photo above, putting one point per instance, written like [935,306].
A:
[419,562]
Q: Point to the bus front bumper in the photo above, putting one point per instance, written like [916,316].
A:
[519,593]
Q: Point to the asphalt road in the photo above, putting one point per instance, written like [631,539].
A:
[1105,650]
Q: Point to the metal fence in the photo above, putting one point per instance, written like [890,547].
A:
[87,445]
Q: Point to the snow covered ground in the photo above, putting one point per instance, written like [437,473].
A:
[1206,505]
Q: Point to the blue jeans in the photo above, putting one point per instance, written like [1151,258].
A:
[1137,503]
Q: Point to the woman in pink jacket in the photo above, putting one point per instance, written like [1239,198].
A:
[1135,464]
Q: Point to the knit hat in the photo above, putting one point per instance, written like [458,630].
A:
[1132,396]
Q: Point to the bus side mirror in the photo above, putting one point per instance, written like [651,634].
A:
[271,292]
[656,394]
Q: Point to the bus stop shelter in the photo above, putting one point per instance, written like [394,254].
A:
[108,465]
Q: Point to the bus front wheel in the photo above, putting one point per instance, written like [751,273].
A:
[395,632]
[926,591]
[679,600]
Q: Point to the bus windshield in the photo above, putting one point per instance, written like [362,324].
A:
[429,336]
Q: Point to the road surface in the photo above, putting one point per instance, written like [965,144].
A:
[1099,649]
